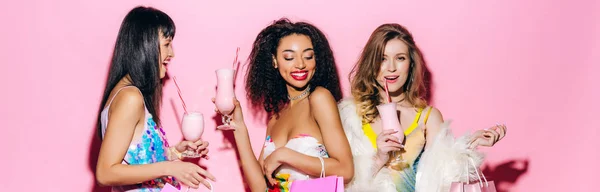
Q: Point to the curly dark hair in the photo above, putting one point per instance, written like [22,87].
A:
[264,85]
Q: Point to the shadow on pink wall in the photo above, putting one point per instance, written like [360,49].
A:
[506,174]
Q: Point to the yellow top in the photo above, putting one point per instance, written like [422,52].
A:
[373,137]
[403,173]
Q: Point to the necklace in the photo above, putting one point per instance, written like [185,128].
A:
[306,91]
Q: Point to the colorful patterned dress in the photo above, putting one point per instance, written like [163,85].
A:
[151,147]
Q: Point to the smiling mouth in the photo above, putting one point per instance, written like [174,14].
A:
[391,78]
[166,62]
[299,75]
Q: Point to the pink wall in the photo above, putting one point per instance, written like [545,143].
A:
[529,64]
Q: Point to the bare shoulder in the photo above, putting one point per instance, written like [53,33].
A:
[321,97]
[434,120]
[435,115]
[128,100]
[323,107]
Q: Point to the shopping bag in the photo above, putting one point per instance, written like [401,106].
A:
[477,186]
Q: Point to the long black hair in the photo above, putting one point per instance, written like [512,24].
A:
[264,85]
[137,54]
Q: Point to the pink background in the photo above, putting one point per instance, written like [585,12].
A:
[529,64]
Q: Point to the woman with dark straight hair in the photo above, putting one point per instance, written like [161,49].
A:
[135,155]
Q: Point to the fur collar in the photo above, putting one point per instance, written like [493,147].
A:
[442,163]
[363,154]
[446,160]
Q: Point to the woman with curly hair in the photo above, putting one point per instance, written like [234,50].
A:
[428,150]
[292,75]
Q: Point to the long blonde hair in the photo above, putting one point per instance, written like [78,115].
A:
[363,77]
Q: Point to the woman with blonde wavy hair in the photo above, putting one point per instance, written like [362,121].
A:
[391,56]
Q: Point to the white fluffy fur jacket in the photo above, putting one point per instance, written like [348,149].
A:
[443,162]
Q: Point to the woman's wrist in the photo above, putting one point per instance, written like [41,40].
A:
[241,128]
[379,163]
[165,168]
[175,153]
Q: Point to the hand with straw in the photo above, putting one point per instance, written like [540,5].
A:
[397,134]
[199,147]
